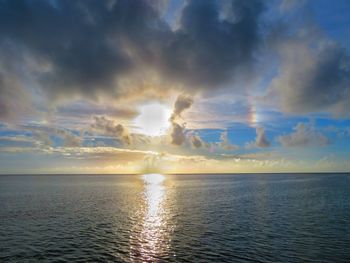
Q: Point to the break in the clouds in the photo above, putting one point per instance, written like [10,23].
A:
[226,79]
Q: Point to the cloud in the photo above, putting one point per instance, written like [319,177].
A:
[196,141]
[260,140]
[75,63]
[225,144]
[303,135]
[114,50]
[103,154]
[110,128]
[314,75]
[127,48]
[44,136]
[182,103]
[69,139]
[214,40]
[41,135]
[16,141]
[288,5]
[86,65]
[177,134]
[15,102]
[87,109]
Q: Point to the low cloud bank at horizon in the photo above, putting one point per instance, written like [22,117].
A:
[233,86]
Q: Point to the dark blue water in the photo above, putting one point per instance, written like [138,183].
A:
[175,218]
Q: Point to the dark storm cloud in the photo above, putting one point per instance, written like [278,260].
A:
[85,47]
[82,42]
[112,48]
[213,40]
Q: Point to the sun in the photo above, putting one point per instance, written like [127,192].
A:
[153,119]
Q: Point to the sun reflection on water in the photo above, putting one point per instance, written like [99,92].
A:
[153,230]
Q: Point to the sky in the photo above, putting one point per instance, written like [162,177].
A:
[174,86]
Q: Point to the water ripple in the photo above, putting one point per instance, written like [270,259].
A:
[183,218]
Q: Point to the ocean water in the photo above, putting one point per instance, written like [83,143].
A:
[175,218]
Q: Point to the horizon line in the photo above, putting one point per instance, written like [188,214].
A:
[113,174]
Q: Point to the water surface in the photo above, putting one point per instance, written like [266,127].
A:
[175,218]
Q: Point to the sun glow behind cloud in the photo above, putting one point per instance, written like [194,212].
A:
[153,119]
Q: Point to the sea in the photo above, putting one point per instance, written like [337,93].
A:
[175,218]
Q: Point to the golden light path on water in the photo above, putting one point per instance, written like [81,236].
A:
[152,234]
